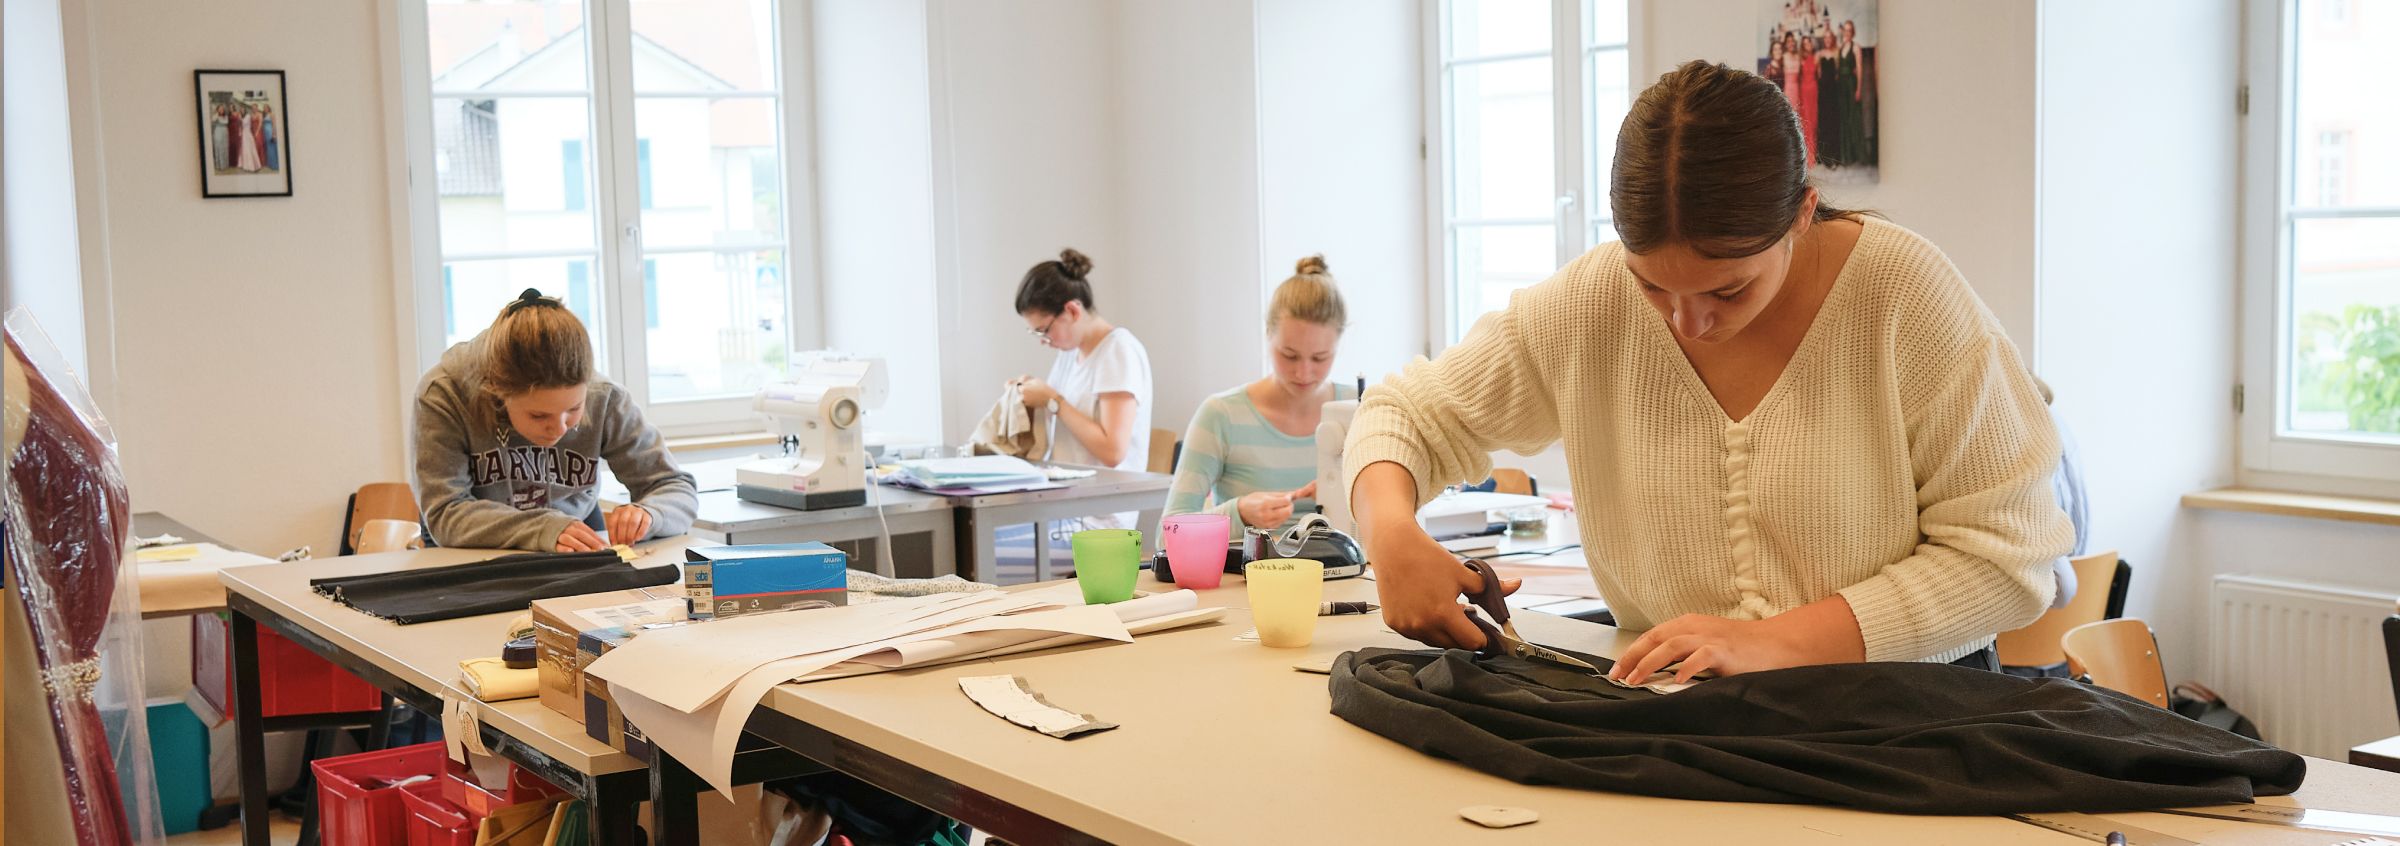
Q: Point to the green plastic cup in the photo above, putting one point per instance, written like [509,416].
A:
[1106,562]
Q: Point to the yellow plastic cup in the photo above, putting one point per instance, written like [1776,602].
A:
[1284,596]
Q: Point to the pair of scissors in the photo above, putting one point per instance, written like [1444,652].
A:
[1502,639]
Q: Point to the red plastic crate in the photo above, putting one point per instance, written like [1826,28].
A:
[355,808]
[460,788]
[433,821]
[291,679]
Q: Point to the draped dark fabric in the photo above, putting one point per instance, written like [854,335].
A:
[1896,737]
[506,583]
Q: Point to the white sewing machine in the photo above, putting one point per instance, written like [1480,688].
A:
[1333,489]
[817,413]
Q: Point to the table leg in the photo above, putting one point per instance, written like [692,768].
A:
[1041,550]
[614,811]
[945,546]
[674,801]
[249,731]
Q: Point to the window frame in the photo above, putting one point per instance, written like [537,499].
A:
[613,195]
[2272,457]
[1578,206]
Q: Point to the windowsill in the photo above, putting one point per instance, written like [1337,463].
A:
[735,440]
[2288,504]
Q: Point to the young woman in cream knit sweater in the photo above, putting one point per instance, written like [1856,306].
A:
[1796,435]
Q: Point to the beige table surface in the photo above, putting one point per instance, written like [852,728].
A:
[427,654]
[1223,742]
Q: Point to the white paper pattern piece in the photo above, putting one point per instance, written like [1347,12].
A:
[826,643]
[1659,682]
[1008,698]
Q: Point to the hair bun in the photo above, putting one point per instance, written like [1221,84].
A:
[1076,264]
[531,295]
[1313,265]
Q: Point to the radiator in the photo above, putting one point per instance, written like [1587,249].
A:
[2305,661]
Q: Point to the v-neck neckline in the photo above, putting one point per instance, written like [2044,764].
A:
[1659,333]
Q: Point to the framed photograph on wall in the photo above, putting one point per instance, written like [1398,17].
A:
[1822,54]
[245,133]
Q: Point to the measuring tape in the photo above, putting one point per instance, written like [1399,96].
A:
[2096,829]
[2341,821]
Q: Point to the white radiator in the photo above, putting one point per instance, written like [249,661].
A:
[2305,661]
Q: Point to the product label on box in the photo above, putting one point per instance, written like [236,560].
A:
[632,614]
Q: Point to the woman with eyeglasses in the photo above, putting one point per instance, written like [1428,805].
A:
[1100,384]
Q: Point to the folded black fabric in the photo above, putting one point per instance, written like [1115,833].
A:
[507,583]
[1897,737]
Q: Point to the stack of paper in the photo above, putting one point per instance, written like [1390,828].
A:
[692,688]
[981,473]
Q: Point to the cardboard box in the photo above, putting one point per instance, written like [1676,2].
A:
[729,581]
[557,622]
[602,721]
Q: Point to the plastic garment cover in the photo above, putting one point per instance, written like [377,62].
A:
[68,521]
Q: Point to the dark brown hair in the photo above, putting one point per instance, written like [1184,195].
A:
[535,343]
[1049,286]
[1712,157]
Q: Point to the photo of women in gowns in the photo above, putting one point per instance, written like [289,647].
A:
[1822,54]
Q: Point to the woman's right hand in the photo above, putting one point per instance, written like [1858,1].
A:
[1418,581]
[578,537]
[1265,509]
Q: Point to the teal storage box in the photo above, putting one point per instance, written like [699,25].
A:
[729,581]
[179,754]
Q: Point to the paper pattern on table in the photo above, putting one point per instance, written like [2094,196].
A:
[1007,697]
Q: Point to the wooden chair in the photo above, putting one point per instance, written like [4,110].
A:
[384,534]
[2037,644]
[1510,480]
[377,501]
[2121,655]
[1165,447]
[2391,653]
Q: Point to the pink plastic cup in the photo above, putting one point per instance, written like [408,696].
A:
[1196,548]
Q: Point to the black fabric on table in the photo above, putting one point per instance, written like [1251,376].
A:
[507,583]
[1899,737]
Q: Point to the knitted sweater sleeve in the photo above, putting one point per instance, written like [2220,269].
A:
[1442,418]
[1982,449]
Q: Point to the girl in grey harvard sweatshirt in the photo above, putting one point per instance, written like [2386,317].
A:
[511,429]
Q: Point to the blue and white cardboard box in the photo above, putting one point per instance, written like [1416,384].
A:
[729,581]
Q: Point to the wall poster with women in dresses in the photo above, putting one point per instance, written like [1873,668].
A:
[1822,54]
[245,134]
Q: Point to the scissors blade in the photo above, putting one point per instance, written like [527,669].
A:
[1524,649]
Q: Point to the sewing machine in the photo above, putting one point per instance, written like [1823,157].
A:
[817,414]
[1333,489]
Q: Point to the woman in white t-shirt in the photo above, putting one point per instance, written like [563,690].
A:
[1100,384]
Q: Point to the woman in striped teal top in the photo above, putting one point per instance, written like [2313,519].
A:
[1254,448]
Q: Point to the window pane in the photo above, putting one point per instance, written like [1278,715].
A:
[1489,27]
[703,45]
[710,173]
[474,291]
[2345,139]
[506,45]
[717,328]
[2345,330]
[513,173]
[1609,21]
[1492,261]
[1500,141]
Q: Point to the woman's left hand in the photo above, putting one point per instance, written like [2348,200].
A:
[1036,393]
[628,524]
[1695,642]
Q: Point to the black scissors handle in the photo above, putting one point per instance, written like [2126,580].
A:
[1494,602]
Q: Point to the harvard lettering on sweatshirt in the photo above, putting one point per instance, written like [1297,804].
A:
[483,485]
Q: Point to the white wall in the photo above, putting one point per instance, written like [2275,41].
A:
[1025,147]
[45,271]
[1957,126]
[256,378]
[2137,268]
[1340,112]
[875,203]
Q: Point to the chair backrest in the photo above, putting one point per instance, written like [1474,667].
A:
[387,535]
[2121,655]
[1163,446]
[378,501]
[2391,653]
[2037,644]
[2118,587]
[1510,480]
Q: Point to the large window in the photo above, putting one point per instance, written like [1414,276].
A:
[2322,242]
[1531,94]
[628,157]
